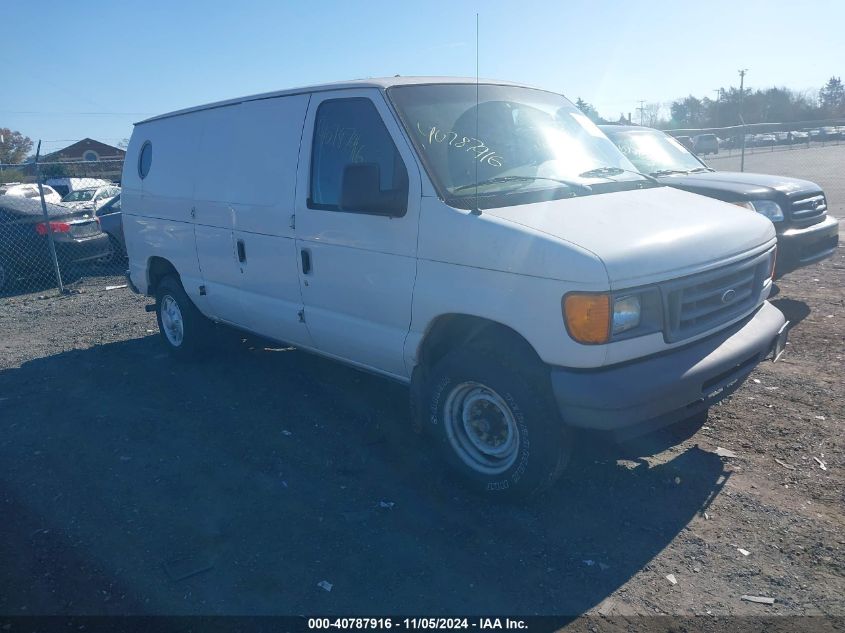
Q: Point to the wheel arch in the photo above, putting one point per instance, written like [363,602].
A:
[157,269]
[450,331]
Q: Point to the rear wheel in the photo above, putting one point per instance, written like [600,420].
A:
[183,328]
[496,421]
[116,252]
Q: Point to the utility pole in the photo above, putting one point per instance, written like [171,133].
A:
[641,110]
[716,119]
[741,120]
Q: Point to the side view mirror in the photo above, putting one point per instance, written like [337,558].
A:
[361,192]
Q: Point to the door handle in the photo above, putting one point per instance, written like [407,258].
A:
[306,261]
[241,251]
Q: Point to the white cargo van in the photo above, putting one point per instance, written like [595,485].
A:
[486,244]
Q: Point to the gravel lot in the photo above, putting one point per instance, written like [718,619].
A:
[135,484]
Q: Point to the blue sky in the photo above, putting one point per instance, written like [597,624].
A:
[93,68]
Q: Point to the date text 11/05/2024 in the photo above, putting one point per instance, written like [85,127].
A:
[418,623]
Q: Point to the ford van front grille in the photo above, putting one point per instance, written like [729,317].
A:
[699,303]
[808,208]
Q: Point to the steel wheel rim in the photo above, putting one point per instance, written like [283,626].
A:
[171,321]
[481,428]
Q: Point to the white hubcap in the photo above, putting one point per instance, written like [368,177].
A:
[171,321]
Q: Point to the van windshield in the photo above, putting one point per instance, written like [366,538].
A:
[505,145]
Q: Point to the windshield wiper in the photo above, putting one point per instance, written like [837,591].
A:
[606,172]
[698,169]
[569,183]
[668,172]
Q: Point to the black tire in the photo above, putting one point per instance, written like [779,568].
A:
[478,382]
[117,254]
[195,327]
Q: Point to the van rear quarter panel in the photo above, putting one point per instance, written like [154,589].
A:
[157,209]
[236,166]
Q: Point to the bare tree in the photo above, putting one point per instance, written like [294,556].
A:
[651,114]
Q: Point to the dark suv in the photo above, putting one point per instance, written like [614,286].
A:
[797,208]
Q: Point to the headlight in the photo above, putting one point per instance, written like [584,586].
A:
[768,208]
[589,318]
[626,313]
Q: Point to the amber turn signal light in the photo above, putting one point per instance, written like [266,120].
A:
[587,316]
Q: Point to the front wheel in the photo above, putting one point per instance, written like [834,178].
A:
[497,423]
[183,327]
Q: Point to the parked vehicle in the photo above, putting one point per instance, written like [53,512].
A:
[705,144]
[815,134]
[797,208]
[30,191]
[799,136]
[485,244]
[829,133]
[65,185]
[111,222]
[686,141]
[90,199]
[24,250]
[764,140]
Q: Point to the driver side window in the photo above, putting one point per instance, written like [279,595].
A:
[351,141]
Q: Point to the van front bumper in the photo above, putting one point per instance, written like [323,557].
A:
[640,396]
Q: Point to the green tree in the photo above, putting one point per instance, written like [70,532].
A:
[10,175]
[688,112]
[55,170]
[832,97]
[14,146]
[589,110]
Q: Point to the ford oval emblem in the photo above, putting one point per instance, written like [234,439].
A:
[728,295]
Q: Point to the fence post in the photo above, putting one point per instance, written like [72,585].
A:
[47,221]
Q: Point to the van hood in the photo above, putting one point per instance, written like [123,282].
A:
[648,235]
[734,185]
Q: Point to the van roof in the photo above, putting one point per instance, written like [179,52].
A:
[377,82]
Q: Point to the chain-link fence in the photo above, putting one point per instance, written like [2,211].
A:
[762,137]
[813,151]
[60,225]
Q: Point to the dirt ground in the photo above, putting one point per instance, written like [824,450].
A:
[131,483]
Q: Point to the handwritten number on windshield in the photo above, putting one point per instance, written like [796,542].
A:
[467,143]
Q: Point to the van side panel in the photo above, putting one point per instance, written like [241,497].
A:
[262,191]
[157,210]
[214,216]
